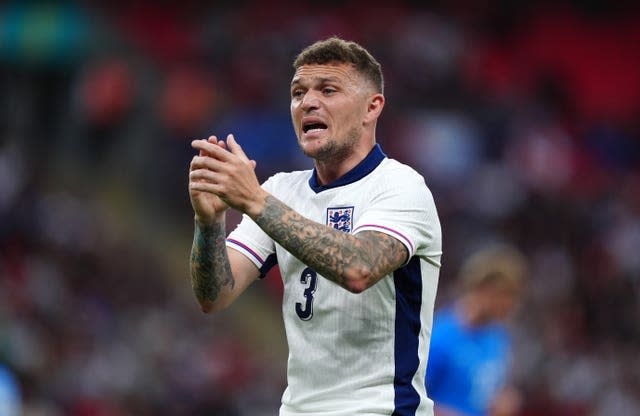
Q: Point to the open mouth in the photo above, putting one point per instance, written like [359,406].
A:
[314,127]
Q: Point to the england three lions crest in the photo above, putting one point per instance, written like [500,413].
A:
[340,218]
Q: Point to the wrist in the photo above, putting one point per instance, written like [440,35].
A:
[204,221]
[257,204]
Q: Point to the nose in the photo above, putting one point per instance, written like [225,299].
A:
[310,101]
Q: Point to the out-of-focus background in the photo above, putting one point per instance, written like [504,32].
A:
[524,118]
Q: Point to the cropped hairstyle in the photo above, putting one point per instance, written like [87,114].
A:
[336,50]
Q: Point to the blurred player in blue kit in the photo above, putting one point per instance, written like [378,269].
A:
[470,353]
[10,401]
[357,240]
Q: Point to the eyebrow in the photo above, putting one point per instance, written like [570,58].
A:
[320,80]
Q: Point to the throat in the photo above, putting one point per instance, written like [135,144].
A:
[327,172]
[332,169]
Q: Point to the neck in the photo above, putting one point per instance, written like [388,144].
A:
[328,171]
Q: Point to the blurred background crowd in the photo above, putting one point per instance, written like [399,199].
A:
[524,118]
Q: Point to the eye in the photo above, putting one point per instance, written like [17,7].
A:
[328,90]
[297,93]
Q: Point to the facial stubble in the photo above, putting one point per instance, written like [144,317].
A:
[334,151]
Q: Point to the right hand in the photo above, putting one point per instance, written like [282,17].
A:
[207,206]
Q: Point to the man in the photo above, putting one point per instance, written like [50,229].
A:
[470,348]
[357,240]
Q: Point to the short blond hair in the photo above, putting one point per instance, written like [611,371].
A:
[496,266]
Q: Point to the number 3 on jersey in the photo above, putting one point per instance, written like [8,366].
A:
[309,278]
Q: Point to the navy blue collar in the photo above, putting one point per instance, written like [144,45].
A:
[362,169]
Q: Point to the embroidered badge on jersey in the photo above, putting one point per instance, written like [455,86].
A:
[340,218]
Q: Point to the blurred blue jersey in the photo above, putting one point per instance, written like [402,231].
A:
[467,366]
[9,394]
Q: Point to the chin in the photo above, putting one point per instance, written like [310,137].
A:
[312,153]
[314,147]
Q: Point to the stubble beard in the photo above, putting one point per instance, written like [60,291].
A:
[334,151]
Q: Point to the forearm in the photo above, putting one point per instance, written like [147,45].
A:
[209,264]
[353,263]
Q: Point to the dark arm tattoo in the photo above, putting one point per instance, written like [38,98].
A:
[210,269]
[332,253]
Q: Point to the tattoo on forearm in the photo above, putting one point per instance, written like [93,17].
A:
[210,270]
[330,252]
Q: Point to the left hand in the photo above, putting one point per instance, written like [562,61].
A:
[230,174]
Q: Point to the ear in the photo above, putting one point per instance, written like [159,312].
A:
[374,108]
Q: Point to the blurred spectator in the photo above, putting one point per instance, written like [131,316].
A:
[107,93]
[10,401]
[470,354]
[188,100]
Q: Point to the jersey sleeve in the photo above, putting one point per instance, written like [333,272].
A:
[403,207]
[249,239]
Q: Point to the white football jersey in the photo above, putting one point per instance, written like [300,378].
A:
[356,354]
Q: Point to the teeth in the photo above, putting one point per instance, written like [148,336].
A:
[314,127]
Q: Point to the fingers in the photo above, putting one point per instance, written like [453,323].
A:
[213,140]
[205,180]
[211,147]
[205,162]
[202,175]
[235,148]
[211,188]
[223,151]
[220,143]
